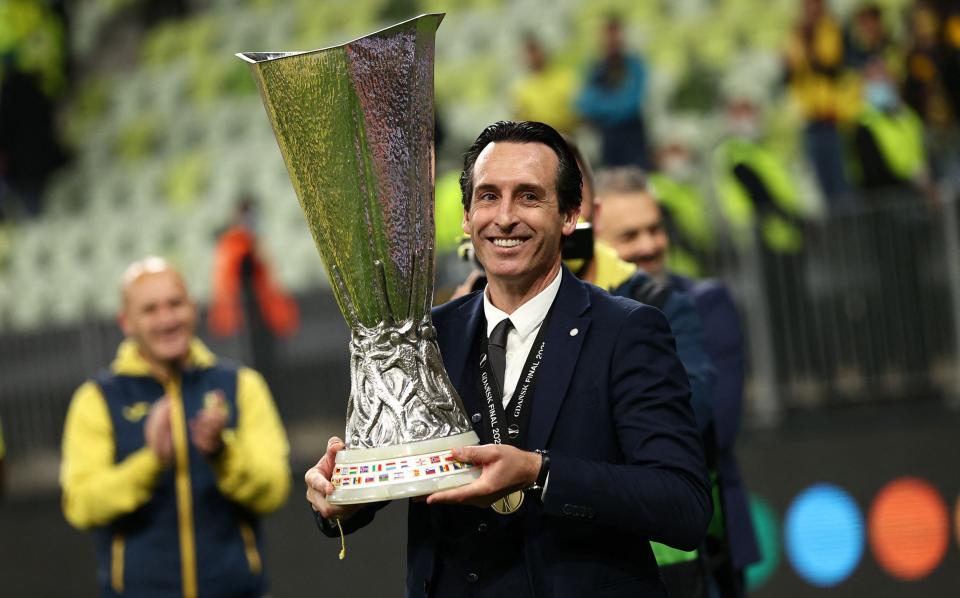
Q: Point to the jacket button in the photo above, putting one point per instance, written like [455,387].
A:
[476,418]
[472,577]
[482,527]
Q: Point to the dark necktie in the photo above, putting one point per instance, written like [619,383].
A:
[497,350]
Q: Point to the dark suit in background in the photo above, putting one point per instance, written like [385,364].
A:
[723,341]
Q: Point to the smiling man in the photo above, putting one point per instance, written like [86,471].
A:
[631,223]
[170,455]
[590,446]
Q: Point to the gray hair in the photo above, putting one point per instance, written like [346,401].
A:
[623,179]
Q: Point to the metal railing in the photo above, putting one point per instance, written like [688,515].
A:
[865,311]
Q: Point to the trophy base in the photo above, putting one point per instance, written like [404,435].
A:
[401,471]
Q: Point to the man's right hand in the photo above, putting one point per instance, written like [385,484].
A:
[156,431]
[319,486]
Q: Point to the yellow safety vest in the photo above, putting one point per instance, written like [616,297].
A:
[777,231]
[899,137]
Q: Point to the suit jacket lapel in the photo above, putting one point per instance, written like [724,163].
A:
[565,334]
[456,343]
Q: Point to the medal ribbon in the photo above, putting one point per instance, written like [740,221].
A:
[506,425]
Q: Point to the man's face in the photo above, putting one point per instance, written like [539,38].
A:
[632,224]
[159,315]
[514,218]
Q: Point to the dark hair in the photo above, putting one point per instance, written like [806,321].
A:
[569,179]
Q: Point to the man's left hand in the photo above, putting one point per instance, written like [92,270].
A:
[505,470]
[206,429]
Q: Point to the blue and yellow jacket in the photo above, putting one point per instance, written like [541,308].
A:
[190,529]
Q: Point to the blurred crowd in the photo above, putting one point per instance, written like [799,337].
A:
[875,100]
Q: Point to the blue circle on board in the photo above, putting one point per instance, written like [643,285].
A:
[824,535]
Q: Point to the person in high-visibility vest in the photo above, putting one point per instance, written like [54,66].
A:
[894,179]
[760,203]
[888,138]
[685,211]
[754,186]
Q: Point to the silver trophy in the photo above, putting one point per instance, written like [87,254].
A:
[355,127]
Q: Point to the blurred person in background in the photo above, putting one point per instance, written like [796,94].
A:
[686,214]
[630,219]
[888,140]
[171,455]
[3,462]
[246,295]
[754,186]
[894,177]
[684,572]
[612,100]
[759,199]
[546,92]
[867,38]
[33,75]
[596,262]
[950,49]
[826,93]
[930,91]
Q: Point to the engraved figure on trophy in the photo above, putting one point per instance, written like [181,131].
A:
[398,392]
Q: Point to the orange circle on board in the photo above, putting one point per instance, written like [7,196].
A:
[909,528]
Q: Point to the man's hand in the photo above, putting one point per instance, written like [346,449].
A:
[206,429]
[156,431]
[505,470]
[319,486]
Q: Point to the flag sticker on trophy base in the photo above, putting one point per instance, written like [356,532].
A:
[365,480]
[355,127]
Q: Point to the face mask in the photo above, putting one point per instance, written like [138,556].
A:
[881,95]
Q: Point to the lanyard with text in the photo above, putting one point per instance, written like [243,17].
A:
[506,426]
[501,425]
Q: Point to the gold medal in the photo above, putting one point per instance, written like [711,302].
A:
[509,504]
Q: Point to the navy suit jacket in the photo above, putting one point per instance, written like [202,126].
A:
[612,405]
[723,341]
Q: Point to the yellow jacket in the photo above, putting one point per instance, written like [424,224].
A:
[108,472]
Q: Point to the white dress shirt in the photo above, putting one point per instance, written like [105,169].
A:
[526,321]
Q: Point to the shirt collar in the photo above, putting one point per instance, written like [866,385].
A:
[528,316]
